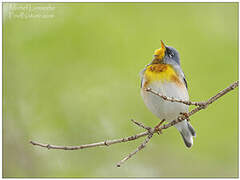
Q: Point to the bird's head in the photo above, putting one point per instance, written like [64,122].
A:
[166,55]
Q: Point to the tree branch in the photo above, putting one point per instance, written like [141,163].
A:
[143,145]
[171,99]
[150,131]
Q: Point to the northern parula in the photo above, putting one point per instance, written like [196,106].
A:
[164,75]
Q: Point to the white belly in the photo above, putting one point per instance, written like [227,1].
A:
[161,108]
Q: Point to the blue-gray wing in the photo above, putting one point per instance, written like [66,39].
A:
[141,76]
[185,82]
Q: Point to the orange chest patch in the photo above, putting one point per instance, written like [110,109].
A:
[161,72]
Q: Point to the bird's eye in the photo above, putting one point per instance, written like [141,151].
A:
[170,54]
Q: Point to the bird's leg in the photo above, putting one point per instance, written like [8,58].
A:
[157,126]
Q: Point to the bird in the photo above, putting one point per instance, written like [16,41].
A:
[165,76]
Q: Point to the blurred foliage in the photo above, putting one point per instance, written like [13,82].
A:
[73,78]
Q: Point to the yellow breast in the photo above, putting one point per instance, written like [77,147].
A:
[161,72]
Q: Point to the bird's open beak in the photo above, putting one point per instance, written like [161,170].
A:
[162,45]
[160,53]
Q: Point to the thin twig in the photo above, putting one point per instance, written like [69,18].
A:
[150,131]
[171,99]
[103,143]
[141,125]
[143,145]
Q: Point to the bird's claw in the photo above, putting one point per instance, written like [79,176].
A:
[185,114]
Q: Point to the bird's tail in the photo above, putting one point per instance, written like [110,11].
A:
[187,132]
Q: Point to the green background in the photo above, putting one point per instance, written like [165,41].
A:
[74,78]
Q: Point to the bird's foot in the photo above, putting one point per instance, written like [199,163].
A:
[185,115]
